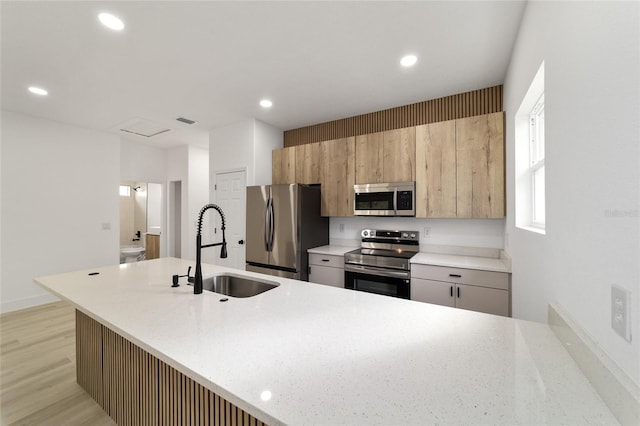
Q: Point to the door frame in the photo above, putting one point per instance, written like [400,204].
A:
[214,196]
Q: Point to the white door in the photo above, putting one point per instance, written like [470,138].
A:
[231,196]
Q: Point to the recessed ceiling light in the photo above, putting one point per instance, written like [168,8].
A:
[408,61]
[111,21]
[266,103]
[38,91]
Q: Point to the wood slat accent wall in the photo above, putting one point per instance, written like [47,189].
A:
[476,102]
[136,388]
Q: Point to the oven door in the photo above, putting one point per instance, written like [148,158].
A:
[378,281]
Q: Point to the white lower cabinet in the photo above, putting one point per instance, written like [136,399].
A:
[481,291]
[326,269]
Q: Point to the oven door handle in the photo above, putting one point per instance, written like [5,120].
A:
[376,271]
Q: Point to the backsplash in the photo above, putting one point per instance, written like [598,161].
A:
[442,233]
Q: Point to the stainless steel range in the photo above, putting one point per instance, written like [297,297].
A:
[381,264]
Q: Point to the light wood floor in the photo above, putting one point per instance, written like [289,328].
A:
[37,370]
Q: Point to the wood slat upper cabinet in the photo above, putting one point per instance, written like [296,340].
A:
[480,166]
[460,168]
[308,163]
[436,169]
[338,176]
[386,156]
[283,165]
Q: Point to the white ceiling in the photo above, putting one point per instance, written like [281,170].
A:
[213,61]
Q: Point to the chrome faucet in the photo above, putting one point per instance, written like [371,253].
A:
[197,283]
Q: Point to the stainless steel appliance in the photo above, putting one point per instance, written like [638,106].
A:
[385,199]
[283,221]
[381,264]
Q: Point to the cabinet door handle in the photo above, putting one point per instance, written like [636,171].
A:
[451,291]
[455,275]
[325,260]
[458,292]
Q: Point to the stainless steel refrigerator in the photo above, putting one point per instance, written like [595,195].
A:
[283,221]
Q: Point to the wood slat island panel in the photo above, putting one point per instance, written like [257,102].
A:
[136,388]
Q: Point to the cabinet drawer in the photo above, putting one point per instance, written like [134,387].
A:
[490,279]
[326,260]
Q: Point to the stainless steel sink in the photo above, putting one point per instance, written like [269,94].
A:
[236,285]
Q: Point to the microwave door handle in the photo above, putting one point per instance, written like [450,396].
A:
[395,201]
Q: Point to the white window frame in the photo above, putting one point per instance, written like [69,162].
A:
[536,161]
[529,156]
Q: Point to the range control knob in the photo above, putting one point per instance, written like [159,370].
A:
[413,236]
[405,235]
[365,233]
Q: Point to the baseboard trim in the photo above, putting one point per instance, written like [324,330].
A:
[28,302]
[616,389]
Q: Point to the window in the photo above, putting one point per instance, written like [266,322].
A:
[125,191]
[530,158]
[536,163]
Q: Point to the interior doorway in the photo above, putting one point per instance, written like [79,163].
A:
[140,220]
[231,196]
[174,243]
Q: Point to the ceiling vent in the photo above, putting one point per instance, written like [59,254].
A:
[143,127]
[186,120]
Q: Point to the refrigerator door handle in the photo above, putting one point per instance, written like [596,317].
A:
[272,226]
[266,226]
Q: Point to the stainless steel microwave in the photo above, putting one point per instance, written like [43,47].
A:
[385,199]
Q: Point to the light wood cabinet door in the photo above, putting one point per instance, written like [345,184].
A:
[152,246]
[283,165]
[399,163]
[436,292]
[480,166]
[338,176]
[369,158]
[482,299]
[436,193]
[308,163]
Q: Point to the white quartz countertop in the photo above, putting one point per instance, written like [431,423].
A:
[306,353]
[331,250]
[436,259]
[457,261]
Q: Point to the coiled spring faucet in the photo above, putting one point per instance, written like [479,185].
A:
[197,283]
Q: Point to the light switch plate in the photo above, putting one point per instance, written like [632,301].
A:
[620,314]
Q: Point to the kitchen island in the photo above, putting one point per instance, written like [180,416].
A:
[303,353]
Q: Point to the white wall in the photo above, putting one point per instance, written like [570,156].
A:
[198,197]
[244,145]
[141,162]
[485,233]
[232,147]
[59,186]
[266,139]
[592,110]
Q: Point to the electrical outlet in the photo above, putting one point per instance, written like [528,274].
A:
[106,226]
[620,315]
[427,232]
[341,228]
